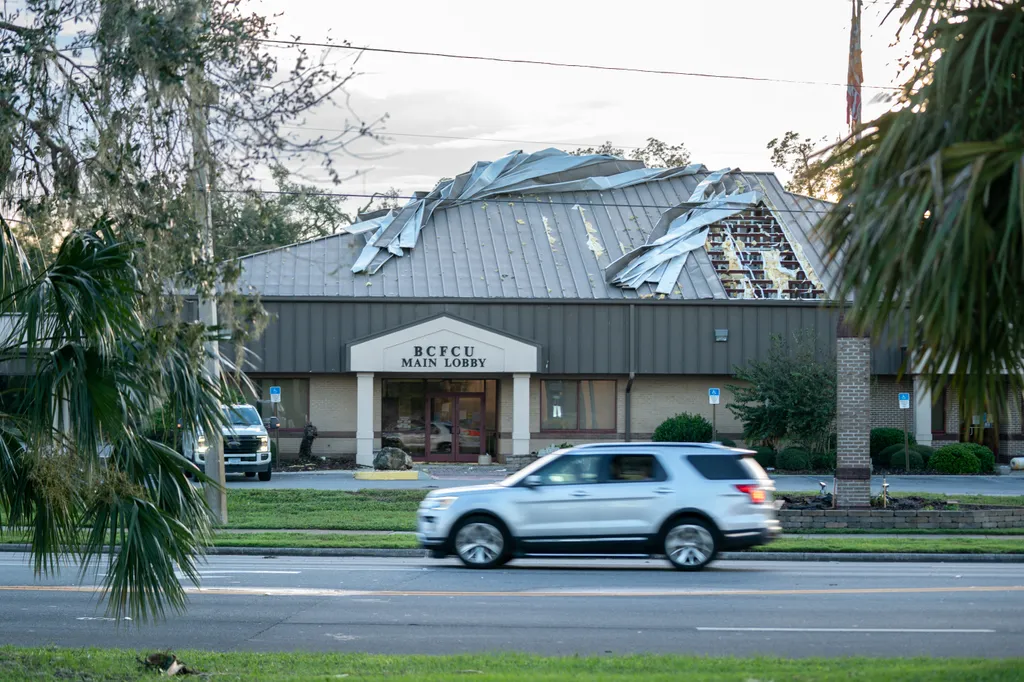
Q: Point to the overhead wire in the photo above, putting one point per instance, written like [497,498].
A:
[568,65]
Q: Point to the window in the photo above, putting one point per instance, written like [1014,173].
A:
[293,410]
[635,468]
[586,405]
[571,470]
[939,414]
[726,467]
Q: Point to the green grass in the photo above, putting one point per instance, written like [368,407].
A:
[912,545]
[325,509]
[228,539]
[119,665]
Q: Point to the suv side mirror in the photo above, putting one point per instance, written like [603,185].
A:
[532,481]
[275,423]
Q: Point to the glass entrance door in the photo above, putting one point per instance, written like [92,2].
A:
[441,442]
[455,427]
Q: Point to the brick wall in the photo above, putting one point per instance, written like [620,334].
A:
[656,398]
[796,520]
[885,404]
[853,397]
[332,402]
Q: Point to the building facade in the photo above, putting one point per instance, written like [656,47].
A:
[548,302]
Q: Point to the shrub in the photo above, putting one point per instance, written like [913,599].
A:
[793,459]
[955,459]
[986,458]
[765,457]
[884,438]
[926,453]
[823,461]
[684,428]
[898,459]
[727,442]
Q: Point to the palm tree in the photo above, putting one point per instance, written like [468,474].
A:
[930,226]
[85,369]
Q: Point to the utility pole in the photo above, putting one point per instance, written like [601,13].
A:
[200,94]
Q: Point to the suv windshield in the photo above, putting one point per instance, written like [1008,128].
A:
[242,416]
[529,469]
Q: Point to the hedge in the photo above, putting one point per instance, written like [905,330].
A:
[898,460]
[793,459]
[823,461]
[684,428]
[955,459]
[986,458]
[765,457]
[884,438]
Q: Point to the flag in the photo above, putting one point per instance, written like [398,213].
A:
[855,75]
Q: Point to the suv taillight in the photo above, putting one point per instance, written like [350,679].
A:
[756,492]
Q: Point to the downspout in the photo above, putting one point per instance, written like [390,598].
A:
[632,372]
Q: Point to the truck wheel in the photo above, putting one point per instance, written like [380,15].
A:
[265,475]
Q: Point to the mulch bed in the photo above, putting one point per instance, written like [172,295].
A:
[318,464]
[908,502]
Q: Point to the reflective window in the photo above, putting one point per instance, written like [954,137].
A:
[293,409]
[587,405]
[634,468]
[571,470]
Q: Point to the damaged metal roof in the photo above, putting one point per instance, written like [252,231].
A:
[603,229]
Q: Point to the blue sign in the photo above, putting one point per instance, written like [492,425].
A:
[714,396]
[904,401]
[275,394]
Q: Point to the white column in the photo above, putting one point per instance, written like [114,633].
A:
[922,411]
[520,414]
[364,419]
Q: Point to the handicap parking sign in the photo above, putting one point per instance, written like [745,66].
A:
[714,396]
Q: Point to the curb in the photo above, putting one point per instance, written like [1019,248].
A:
[725,556]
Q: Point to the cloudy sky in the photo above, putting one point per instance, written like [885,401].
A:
[722,122]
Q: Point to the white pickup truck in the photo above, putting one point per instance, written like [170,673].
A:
[246,444]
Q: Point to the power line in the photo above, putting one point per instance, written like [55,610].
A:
[567,65]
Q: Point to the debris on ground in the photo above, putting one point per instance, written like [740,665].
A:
[166,664]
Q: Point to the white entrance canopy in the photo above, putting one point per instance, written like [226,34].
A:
[442,345]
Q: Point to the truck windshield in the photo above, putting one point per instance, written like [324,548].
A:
[242,416]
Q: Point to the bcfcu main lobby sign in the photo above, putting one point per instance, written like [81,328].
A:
[448,357]
[443,345]
[443,351]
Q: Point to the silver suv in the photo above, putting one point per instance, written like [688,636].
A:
[686,501]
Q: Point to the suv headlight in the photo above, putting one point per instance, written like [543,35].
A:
[438,503]
[264,444]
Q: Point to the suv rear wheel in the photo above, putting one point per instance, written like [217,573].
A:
[690,544]
[481,542]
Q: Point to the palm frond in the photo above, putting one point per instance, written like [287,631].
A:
[931,220]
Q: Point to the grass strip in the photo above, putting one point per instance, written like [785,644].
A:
[896,545]
[120,665]
[373,509]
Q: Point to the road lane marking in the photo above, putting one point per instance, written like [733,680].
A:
[329,592]
[889,630]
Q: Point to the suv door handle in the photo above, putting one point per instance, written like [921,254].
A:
[580,493]
[663,491]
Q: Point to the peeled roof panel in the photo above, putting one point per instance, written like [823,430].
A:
[461,244]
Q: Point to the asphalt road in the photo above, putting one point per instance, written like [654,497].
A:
[553,607]
[343,480]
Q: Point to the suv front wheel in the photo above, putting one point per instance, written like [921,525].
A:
[690,544]
[481,542]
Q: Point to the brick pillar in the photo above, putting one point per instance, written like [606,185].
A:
[853,412]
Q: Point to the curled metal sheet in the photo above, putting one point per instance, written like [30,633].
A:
[682,230]
[543,172]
